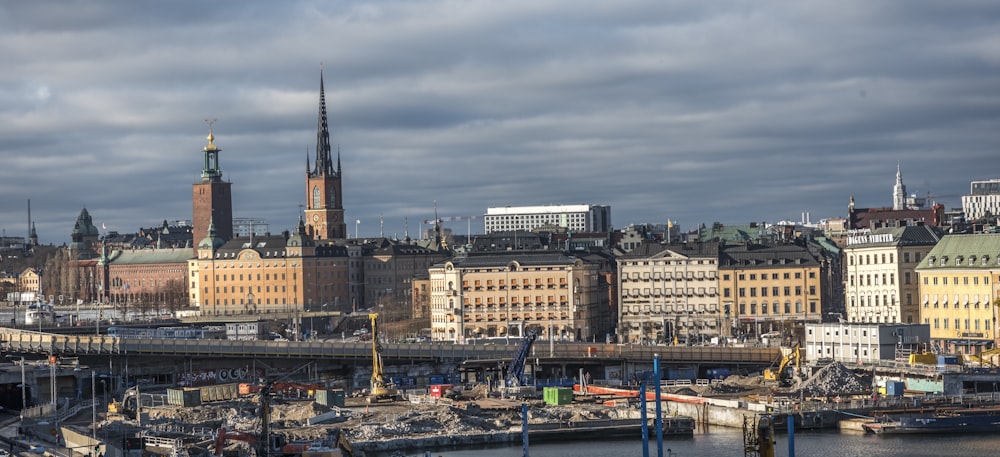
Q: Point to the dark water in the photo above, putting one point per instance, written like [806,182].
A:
[723,442]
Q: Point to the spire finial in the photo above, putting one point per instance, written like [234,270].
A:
[211,137]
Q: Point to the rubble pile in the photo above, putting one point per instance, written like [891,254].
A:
[833,379]
[735,383]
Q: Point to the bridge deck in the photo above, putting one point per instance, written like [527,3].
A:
[67,345]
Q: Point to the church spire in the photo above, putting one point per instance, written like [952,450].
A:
[899,191]
[324,163]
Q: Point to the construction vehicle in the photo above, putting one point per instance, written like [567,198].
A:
[381,388]
[515,382]
[515,374]
[782,375]
[132,401]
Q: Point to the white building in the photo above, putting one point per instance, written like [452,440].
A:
[983,199]
[576,218]
[881,284]
[669,292]
[864,343]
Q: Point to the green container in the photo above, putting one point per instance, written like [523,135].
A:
[186,397]
[330,397]
[557,395]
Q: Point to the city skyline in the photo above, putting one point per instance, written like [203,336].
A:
[731,112]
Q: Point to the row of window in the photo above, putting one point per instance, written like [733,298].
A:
[785,291]
[873,279]
[657,292]
[770,277]
[776,308]
[954,280]
[680,276]
[878,300]
[970,324]
[960,260]
[232,277]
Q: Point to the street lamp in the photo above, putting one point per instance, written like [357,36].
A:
[24,397]
[93,403]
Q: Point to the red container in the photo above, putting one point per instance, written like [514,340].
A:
[438,390]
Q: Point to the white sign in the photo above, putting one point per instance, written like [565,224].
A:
[870,239]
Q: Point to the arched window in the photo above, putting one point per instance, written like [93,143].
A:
[315,197]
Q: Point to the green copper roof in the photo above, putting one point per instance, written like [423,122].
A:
[979,251]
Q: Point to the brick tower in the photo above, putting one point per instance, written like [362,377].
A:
[325,208]
[213,198]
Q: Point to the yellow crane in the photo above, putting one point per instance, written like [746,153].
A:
[381,388]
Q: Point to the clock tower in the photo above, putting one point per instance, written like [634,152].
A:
[325,204]
[213,198]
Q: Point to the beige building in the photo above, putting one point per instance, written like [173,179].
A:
[30,285]
[501,294]
[669,292]
[271,274]
[881,280]
[771,287]
[958,290]
[389,269]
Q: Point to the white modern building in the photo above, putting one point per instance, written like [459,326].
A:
[864,344]
[576,218]
[983,199]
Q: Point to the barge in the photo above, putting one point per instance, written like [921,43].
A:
[977,420]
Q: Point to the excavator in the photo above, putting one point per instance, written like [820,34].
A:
[781,375]
[381,388]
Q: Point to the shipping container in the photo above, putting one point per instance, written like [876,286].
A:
[895,388]
[437,379]
[187,397]
[439,390]
[219,392]
[330,397]
[557,395]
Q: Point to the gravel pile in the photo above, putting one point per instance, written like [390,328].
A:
[833,379]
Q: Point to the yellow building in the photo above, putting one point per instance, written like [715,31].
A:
[771,287]
[269,274]
[957,291]
[497,294]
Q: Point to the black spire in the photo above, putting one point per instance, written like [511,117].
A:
[324,163]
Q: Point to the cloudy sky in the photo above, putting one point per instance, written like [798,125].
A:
[729,111]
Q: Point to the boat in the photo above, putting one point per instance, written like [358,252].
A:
[973,420]
[40,313]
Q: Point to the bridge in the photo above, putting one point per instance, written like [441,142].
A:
[166,361]
[27,342]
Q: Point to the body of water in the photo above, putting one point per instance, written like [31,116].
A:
[728,442]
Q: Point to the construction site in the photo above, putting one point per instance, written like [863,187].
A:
[291,414]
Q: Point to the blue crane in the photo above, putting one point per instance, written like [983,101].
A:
[515,375]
